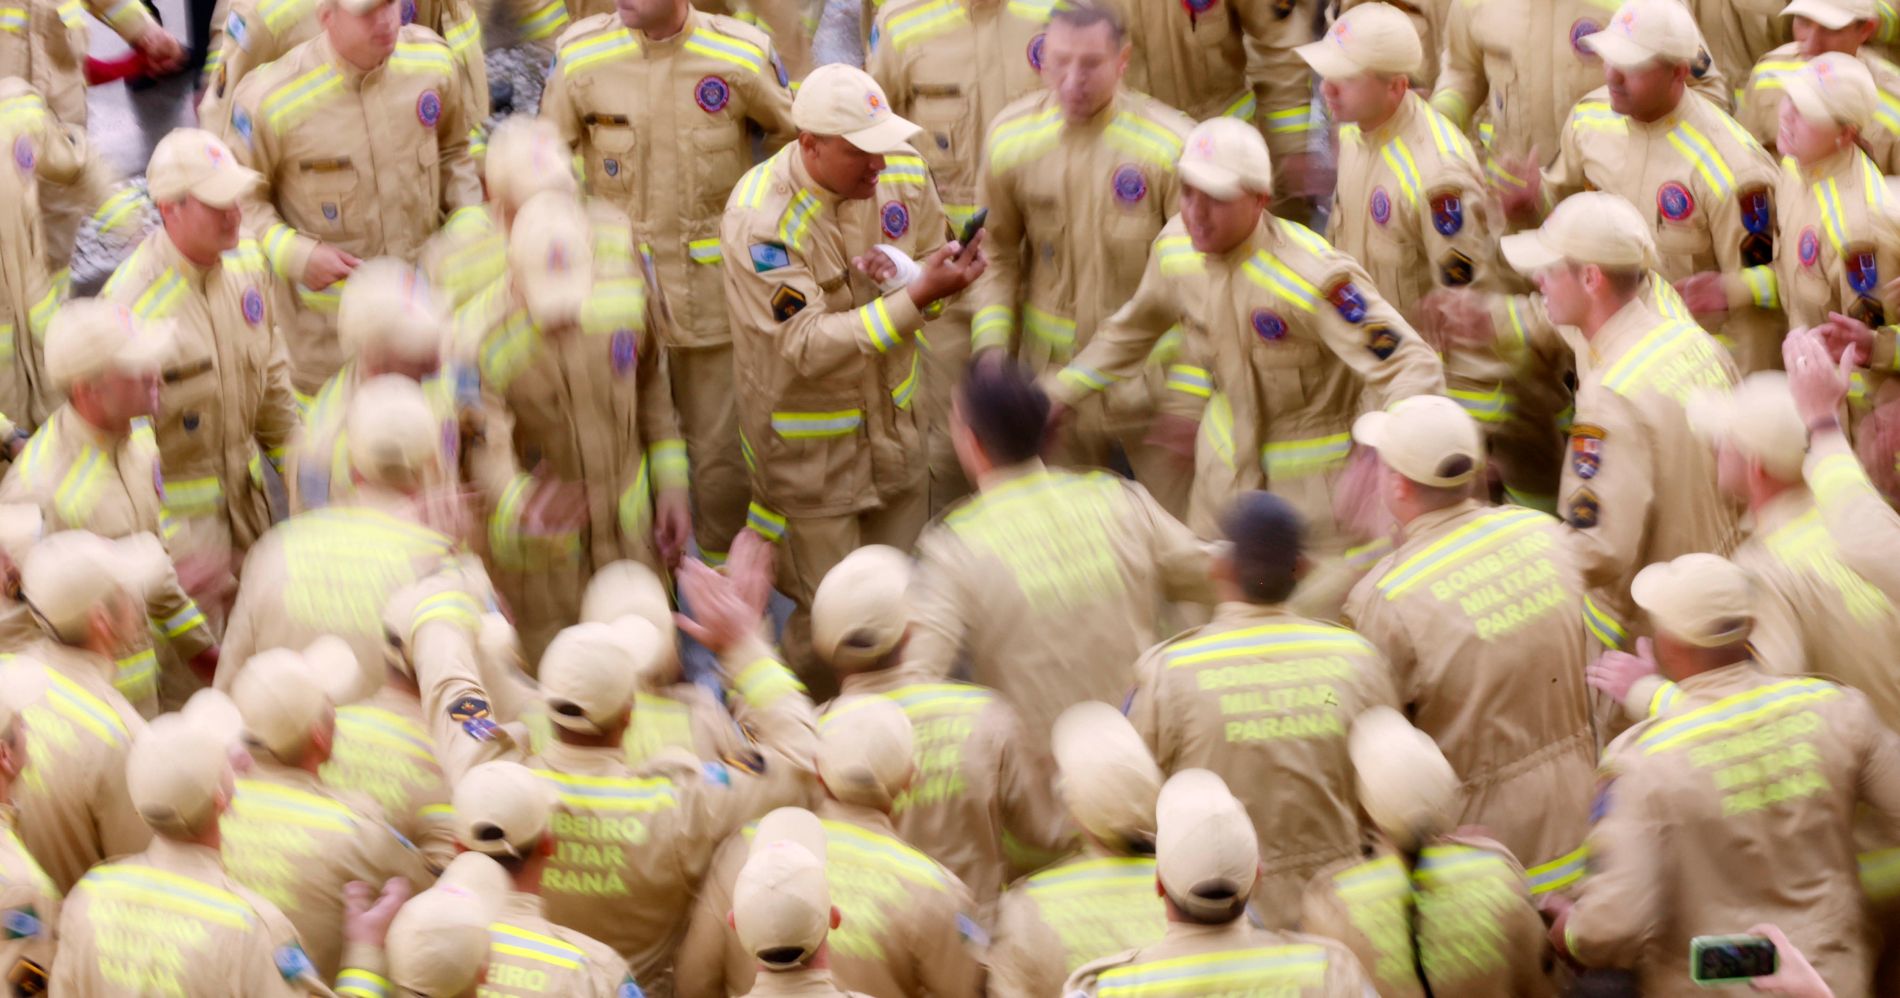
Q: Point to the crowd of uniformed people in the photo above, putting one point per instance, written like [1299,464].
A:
[1113,497]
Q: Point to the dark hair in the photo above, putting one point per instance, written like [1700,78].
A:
[1082,14]
[1266,534]
[1004,408]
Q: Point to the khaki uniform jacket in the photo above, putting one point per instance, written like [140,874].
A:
[907,930]
[317,473]
[1738,33]
[1754,767]
[1254,695]
[170,920]
[1705,184]
[297,843]
[1813,614]
[1089,906]
[1207,959]
[805,983]
[981,778]
[44,43]
[1479,610]
[382,751]
[29,291]
[951,66]
[1638,486]
[530,955]
[632,845]
[29,905]
[1196,58]
[74,811]
[371,163]
[328,571]
[1760,107]
[81,479]
[1047,581]
[226,402]
[1834,255]
[1286,342]
[1463,915]
[664,128]
[1864,529]
[827,368]
[1072,211]
[1520,65]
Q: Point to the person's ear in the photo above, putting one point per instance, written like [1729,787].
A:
[837,917]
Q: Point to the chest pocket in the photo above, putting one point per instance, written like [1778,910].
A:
[720,157]
[614,146]
[1213,25]
[190,393]
[327,188]
[1683,246]
[949,139]
[1288,368]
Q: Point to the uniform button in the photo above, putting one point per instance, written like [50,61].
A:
[191,421]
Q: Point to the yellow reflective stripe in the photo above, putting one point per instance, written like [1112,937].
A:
[1734,712]
[1497,172]
[361,984]
[1764,288]
[809,425]
[579,55]
[704,251]
[451,606]
[1559,873]
[136,675]
[1442,865]
[386,729]
[1177,255]
[1146,139]
[1398,157]
[764,522]
[13,19]
[1591,116]
[922,22]
[1274,640]
[904,170]
[1298,458]
[1645,354]
[1605,628]
[635,508]
[1266,270]
[273,805]
[1290,120]
[1217,425]
[422,57]
[1835,476]
[1665,699]
[1265,970]
[1380,878]
[1696,147]
[1453,106]
[1190,380]
[990,327]
[1015,142]
[766,682]
[1492,527]
[193,496]
[1084,378]
[1485,405]
[959,215]
[612,793]
[726,49]
[1827,194]
[878,327]
[160,889]
[77,489]
[1771,74]
[121,207]
[71,701]
[1446,136]
[1091,877]
[72,14]
[804,207]
[907,389]
[1056,330]
[465,36]
[886,852]
[1242,107]
[298,94]
[545,22]
[670,468]
[1879,874]
[516,941]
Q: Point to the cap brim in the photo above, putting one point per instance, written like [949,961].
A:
[1329,60]
[1820,12]
[892,135]
[225,187]
[361,6]
[1618,51]
[1649,584]
[1710,414]
[1528,253]
[1216,182]
[1369,428]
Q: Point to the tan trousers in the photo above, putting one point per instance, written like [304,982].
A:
[809,549]
[703,395]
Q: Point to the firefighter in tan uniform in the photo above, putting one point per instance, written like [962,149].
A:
[30,290]
[1100,900]
[225,406]
[333,570]
[1646,138]
[438,943]
[1285,339]
[1820,27]
[1206,862]
[1046,580]
[286,702]
[1479,611]
[29,901]
[467,261]
[1078,178]
[1863,527]
[74,811]
[1637,487]
[1260,690]
[94,466]
[170,919]
[361,134]
[907,926]
[952,66]
[505,811]
[1738,33]
[660,104]
[782,910]
[1749,764]
[1427,905]
[824,333]
[982,793]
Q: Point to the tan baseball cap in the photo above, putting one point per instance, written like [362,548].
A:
[21,526]
[1372,38]
[1833,88]
[1832,14]
[1206,854]
[395,437]
[781,903]
[1406,786]
[358,6]
[71,572]
[1429,439]
[90,336]
[502,809]
[438,943]
[1643,31]
[175,774]
[389,306]
[1591,227]
[860,612]
[192,161]
[551,257]
[282,694]
[837,99]
[1226,158]
[526,157]
[590,672]
[21,686]
[1703,599]
[864,750]
[1106,776]
[212,711]
[1758,419]
[630,589]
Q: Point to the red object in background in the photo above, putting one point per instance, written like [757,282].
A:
[101,71]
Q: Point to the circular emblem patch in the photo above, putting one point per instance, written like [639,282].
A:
[329,211]
[408,11]
[1035,51]
[1130,185]
[1810,246]
[612,166]
[1581,30]
[1198,7]
[625,351]
[711,94]
[895,218]
[1381,206]
[23,153]
[253,305]
[428,108]
[1268,326]
[1674,201]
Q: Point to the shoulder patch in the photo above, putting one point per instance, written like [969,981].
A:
[21,923]
[472,714]
[1582,510]
[786,302]
[235,27]
[744,760]
[1586,450]
[628,989]
[241,123]
[1455,270]
[1863,268]
[1381,340]
[292,962]
[769,256]
[1448,211]
[1347,300]
[29,979]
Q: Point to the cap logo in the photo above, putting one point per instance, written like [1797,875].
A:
[1625,21]
[1822,72]
[214,154]
[557,258]
[1341,32]
[1203,146]
[873,104]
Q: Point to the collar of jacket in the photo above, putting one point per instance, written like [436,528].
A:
[1400,120]
[869,819]
[1622,331]
[1004,474]
[804,981]
[1425,523]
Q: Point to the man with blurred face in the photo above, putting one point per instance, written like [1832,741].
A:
[361,135]
[1079,178]
[225,404]
[1820,27]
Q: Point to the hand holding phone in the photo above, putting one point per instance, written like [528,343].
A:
[970,229]
[1718,961]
